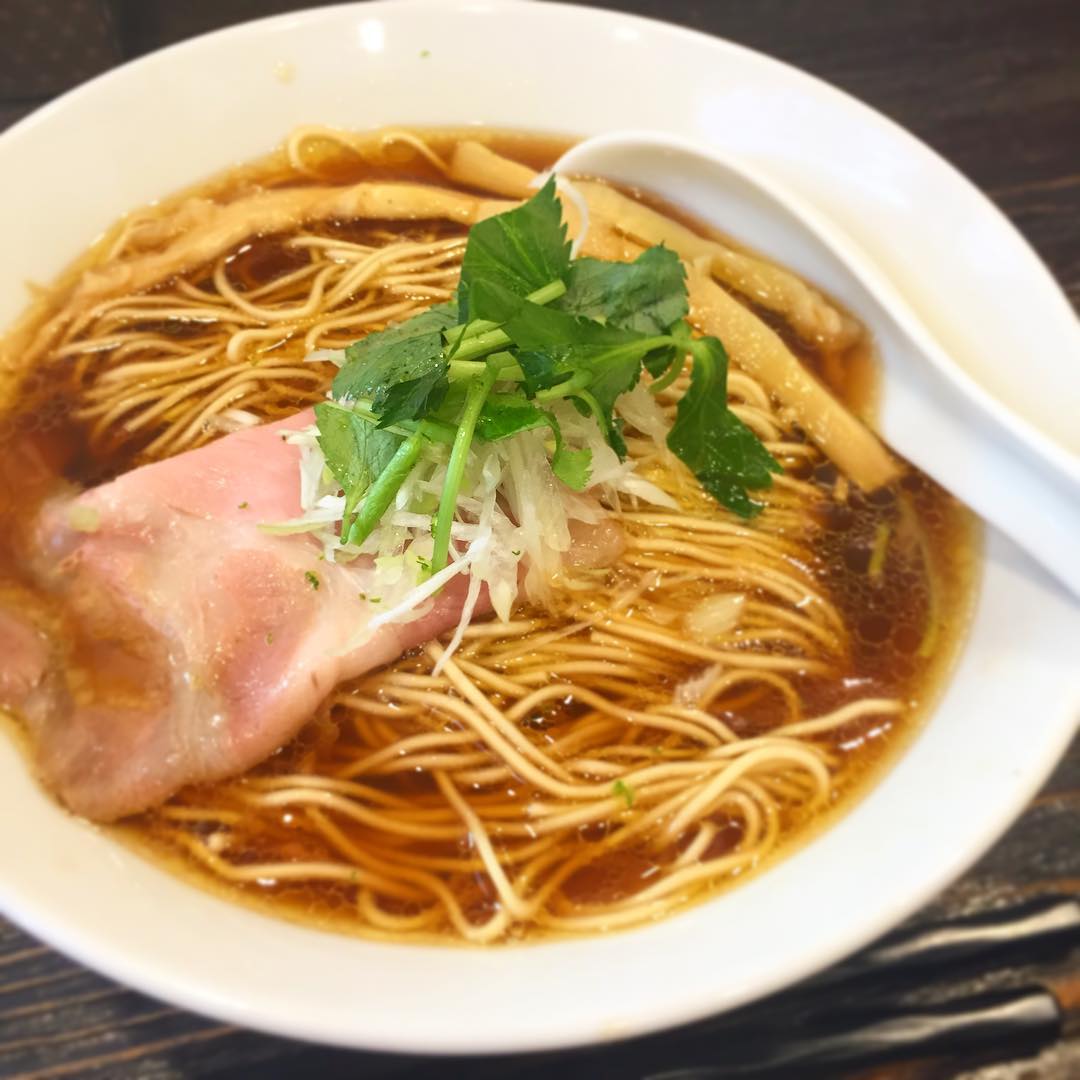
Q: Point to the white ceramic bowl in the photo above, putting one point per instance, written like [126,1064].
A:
[171,118]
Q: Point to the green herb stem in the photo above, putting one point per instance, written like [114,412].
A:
[659,385]
[506,363]
[641,347]
[458,335]
[473,345]
[476,347]
[544,295]
[455,470]
[594,408]
[572,386]
[382,492]
[434,431]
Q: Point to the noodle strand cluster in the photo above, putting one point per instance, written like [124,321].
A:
[584,767]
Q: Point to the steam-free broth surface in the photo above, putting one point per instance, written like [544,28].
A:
[374,833]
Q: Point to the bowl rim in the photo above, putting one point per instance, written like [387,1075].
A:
[134,971]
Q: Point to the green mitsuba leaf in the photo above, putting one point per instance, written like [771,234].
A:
[541,371]
[572,467]
[449,409]
[356,452]
[604,359]
[589,330]
[413,399]
[723,453]
[411,352]
[647,295]
[506,415]
[521,250]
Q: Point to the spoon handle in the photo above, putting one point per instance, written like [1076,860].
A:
[944,422]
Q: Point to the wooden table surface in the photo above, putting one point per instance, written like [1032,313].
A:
[993,85]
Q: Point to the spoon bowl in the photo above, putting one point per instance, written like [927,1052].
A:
[933,412]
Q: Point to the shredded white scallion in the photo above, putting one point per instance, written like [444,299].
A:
[689,692]
[514,515]
[640,409]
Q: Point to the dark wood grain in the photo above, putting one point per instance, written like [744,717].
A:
[993,85]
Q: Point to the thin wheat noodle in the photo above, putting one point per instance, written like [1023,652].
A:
[598,730]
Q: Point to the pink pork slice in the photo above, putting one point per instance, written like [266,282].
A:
[199,644]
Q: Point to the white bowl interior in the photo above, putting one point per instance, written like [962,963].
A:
[167,120]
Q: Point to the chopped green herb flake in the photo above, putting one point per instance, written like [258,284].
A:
[622,790]
[311,578]
[243,505]
[425,53]
[270,638]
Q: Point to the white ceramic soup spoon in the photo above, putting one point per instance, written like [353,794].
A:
[934,413]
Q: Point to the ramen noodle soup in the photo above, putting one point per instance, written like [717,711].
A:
[410,546]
